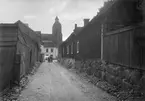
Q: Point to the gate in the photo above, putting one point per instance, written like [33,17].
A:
[7,58]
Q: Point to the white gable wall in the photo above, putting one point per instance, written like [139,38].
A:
[50,52]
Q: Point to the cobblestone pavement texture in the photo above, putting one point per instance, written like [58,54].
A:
[52,82]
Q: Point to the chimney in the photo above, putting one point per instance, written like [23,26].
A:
[75,26]
[86,21]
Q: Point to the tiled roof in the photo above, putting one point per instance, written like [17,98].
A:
[49,44]
[48,37]
[28,31]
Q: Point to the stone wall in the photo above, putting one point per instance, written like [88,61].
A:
[120,76]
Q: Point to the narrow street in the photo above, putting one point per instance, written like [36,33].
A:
[52,82]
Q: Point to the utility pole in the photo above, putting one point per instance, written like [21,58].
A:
[102,35]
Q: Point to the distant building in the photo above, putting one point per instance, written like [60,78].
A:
[50,42]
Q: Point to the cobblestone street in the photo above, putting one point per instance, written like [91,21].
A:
[52,82]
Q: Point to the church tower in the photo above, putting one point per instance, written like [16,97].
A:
[56,31]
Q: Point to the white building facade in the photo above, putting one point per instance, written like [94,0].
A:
[48,51]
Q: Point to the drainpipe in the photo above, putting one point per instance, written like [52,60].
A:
[102,31]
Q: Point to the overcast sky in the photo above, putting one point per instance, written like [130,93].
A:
[40,14]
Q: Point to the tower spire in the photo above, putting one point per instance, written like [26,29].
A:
[56,19]
[56,31]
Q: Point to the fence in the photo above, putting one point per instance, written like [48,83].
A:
[121,46]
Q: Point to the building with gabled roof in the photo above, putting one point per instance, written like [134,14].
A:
[20,50]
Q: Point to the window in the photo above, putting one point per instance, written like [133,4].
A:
[78,48]
[51,49]
[46,50]
[68,49]
[63,51]
[72,48]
